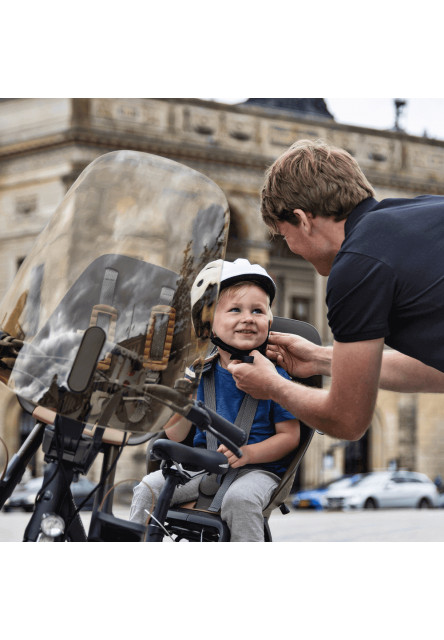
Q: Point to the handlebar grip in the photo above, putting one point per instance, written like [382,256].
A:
[197,458]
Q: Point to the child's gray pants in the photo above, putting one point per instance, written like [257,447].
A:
[242,505]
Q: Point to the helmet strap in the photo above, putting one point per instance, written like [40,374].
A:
[238,354]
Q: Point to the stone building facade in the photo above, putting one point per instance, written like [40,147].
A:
[46,143]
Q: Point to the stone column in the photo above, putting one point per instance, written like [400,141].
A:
[407,431]
[320,311]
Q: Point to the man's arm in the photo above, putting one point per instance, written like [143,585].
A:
[301,358]
[343,411]
[408,375]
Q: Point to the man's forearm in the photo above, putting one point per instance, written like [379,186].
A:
[315,408]
[399,372]
[344,410]
[323,360]
[406,375]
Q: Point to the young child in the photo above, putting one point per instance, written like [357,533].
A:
[241,323]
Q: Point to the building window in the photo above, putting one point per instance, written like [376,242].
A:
[300,308]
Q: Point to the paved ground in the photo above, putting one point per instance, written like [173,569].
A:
[406,525]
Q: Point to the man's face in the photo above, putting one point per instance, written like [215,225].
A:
[241,317]
[293,236]
[313,240]
[301,243]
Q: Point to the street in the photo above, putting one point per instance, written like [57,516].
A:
[403,525]
[391,525]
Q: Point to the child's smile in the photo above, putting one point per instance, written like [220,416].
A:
[241,318]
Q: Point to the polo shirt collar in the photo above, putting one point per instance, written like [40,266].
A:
[358,212]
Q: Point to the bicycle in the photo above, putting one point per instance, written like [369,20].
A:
[96,328]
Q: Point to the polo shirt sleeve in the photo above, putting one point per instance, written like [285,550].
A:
[360,294]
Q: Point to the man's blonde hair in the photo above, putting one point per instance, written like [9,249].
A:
[313,176]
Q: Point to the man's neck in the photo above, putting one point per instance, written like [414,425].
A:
[331,235]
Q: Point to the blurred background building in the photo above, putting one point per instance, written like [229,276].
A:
[46,143]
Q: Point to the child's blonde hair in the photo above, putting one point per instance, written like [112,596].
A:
[238,286]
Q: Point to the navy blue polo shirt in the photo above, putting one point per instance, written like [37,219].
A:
[387,280]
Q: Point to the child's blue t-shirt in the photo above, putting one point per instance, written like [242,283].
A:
[228,401]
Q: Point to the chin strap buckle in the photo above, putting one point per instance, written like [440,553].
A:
[247,359]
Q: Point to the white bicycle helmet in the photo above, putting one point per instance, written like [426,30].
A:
[221,274]
[242,270]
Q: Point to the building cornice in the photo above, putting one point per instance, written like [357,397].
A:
[238,136]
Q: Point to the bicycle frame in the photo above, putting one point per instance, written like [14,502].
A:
[71,449]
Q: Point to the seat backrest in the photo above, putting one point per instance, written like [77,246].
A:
[307,331]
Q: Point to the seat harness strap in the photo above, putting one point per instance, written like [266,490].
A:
[244,420]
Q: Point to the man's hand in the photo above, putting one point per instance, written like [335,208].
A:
[299,357]
[258,378]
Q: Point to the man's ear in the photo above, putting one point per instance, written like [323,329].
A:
[305,218]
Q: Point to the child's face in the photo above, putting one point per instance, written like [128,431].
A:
[241,317]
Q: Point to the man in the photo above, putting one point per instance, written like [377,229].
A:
[385,262]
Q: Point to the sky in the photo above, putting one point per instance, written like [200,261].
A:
[419,115]
[314,49]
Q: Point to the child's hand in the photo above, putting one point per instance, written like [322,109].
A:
[233,460]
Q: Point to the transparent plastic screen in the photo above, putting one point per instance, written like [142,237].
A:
[120,253]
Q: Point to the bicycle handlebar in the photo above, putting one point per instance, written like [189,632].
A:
[211,461]
[226,432]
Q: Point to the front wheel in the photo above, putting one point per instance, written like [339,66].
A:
[424,503]
[370,503]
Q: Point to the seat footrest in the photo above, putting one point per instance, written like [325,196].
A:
[194,525]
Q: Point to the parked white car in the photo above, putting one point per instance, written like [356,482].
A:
[386,489]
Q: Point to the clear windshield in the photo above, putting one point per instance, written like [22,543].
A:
[121,253]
